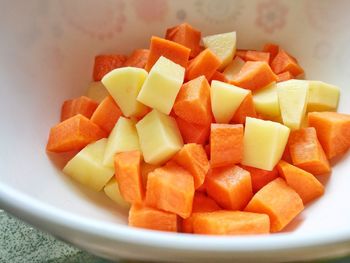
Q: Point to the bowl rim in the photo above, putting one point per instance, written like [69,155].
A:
[24,206]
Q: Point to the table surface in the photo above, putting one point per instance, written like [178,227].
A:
[20,242]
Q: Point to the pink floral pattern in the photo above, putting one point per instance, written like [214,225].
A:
[101,21]
[271,15]
[151,11]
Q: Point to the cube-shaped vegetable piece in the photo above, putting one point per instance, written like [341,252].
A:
[193,101]
[128,174]
[225,100]
[123,138]
[73,134]
[205,63]
[233,68]
[171,50]
[264,143]
[106,63]
[230,187]
[124,85]
[306,151]
[112,191]
[193,133]
[171,189]
[138,58]
[186,35]
[333,131]
[284,62]
[322,96]
[87,167]
[226,144]
[82,105]
[266,101]
[224,222]
[150,218]
[160,137]
[304,183]
[293,97]
[246,109]
[97,91]
[223,45]
[162,85]
[279,201]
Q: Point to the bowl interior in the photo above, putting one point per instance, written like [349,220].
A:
[47,51]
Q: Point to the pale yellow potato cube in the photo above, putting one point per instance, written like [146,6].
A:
[112,191]
[124,85]
[160,137]
[97,91]
[123,138]
[162,85]
[266,101]
[87,167]
[233,68]
[223,45]
[264,143]
[293,98]
[322,96]
[225,100]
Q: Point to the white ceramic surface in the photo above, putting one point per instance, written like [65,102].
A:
[46,56]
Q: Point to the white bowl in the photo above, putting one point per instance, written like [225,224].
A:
[47,50]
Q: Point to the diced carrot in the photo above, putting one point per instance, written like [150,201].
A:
[284,62]
[304,183]
[207,150]
[219,76]
[260,177]
[279,201]
[272,49]
[171,188]
[229,186]
[177,53]
[82,105]
[284,76]
[246,109]
[186,35]
[286,155]
[201,203]
[150,218]
[333,131]
[193,101]
[73,134]
[253,55]
[106,63]
[254,75]
[206,63]
[107,114]
[193,133]
[306,151]
[193,158]
[226,144]
[128,176]
[138,58]
[146,168]
[224,222]
[241,53]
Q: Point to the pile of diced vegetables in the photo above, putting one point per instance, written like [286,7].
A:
[198,137]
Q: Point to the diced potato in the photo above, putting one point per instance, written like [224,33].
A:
[160,137]
[225,100]
[123,138]
[97,91]
[293,98]
[162,85]
[233,68]
[266,101]
[264,143]
[322,96]
[112,191]
[124,85]
[87,167]
[223,45]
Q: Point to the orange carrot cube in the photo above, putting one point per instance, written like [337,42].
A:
[106,63]
[206,63]
[82,105]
